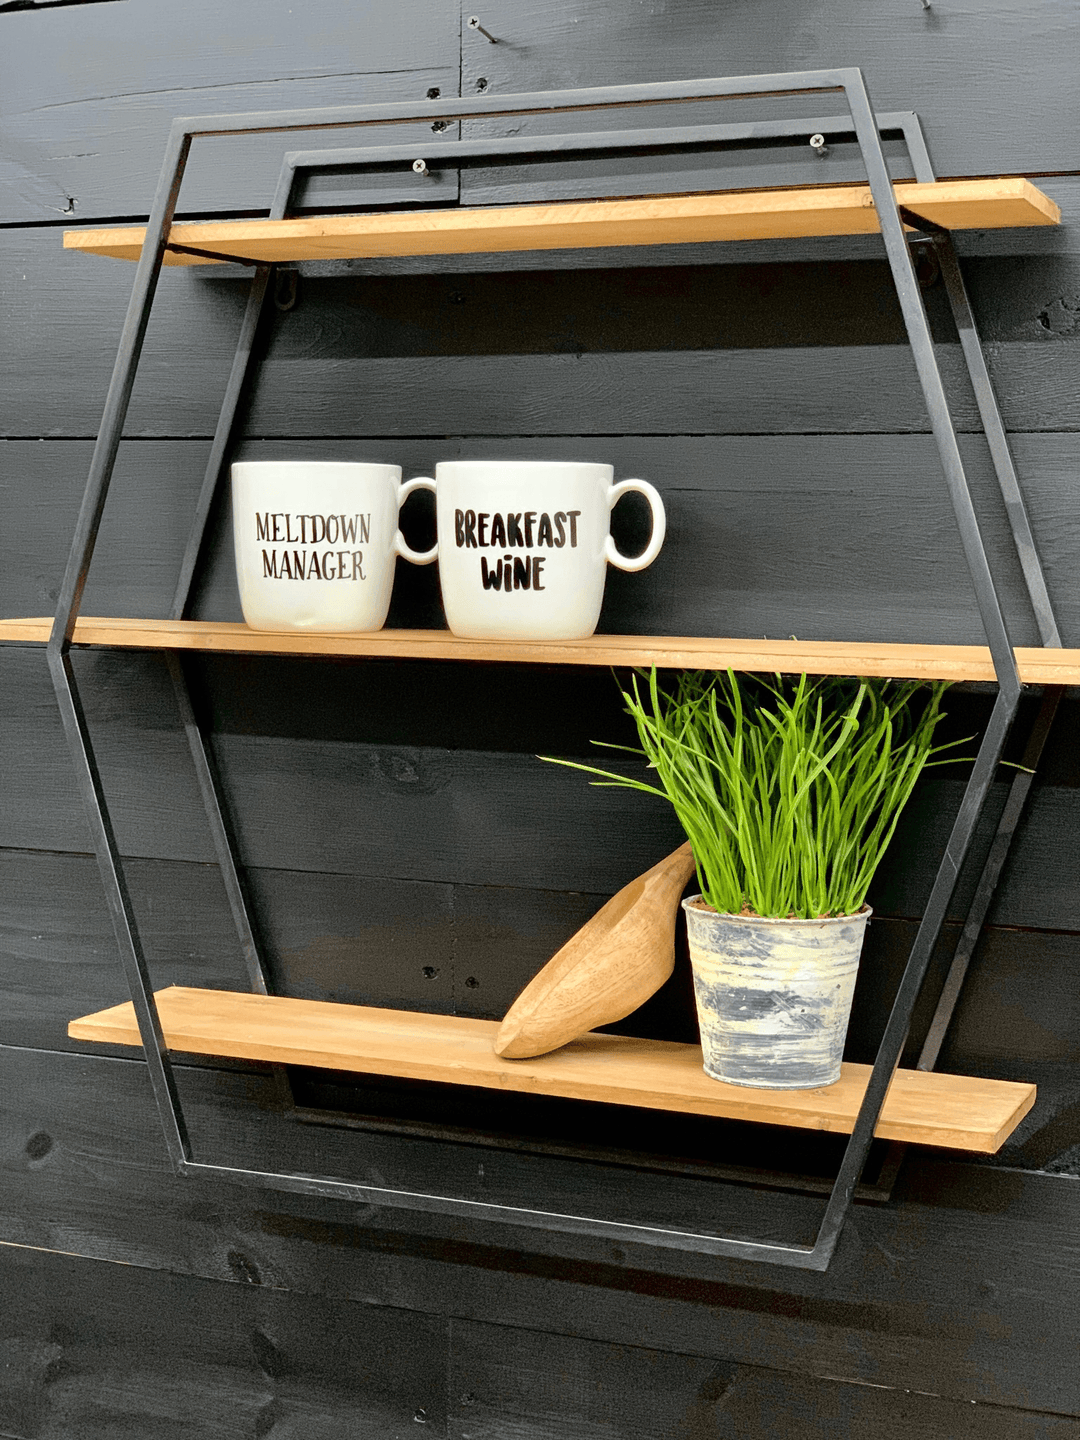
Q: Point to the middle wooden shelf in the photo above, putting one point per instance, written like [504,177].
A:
[1037,666]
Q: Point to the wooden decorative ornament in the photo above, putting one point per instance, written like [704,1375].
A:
[610,967]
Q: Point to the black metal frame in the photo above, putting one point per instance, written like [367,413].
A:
[867,130]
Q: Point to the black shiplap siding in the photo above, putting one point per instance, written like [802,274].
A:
[417,854]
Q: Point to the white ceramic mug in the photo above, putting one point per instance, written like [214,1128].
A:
[317,542]
[524,545]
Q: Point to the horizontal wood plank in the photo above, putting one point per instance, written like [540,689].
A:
[526,1383]
[965,1293]
[1003,109]
[905,1304]
[348,769]
[713,338]
[468,950]
[668,220]
[705,346]
[89,95]
[789,657]
[95,1349]
[92,130]
[822,537]
[948,1110]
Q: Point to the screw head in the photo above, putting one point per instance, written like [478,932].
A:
[817,142]
[474,22]
[420,166]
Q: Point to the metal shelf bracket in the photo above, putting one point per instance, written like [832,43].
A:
[867,129]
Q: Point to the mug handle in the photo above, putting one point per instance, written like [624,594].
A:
[659,525]
[418,557]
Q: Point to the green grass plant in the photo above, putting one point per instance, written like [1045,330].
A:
[789,789]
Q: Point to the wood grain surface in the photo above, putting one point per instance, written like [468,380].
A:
[344,769]
[914,662]
[86,129]
[825,538]
[783,347]
[234,1358]
[668,220]
[766,387]
[927,1108]
[607,970]
[904,1305]
[976,125]
[468,950]
[212,1360]
[567,1387]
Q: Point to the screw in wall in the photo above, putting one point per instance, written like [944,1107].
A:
[474,24]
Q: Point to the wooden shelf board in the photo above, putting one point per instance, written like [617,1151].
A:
[795,657]
[659,220]
[954,1111]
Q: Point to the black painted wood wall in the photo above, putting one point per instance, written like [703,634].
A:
[402,842]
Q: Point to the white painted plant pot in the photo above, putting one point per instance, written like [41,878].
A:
[773,996]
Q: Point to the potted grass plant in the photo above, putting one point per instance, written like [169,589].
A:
[789,790]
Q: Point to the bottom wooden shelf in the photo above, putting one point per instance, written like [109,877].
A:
[954,1111]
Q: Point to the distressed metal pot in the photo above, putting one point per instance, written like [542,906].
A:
[773,996]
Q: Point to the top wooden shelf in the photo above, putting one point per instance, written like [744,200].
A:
[659,220]
[692,652]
